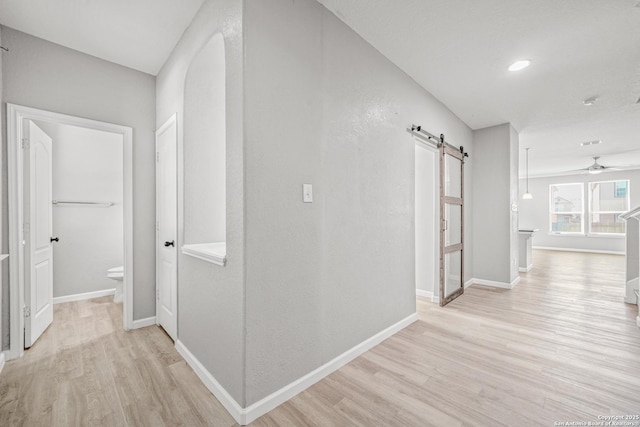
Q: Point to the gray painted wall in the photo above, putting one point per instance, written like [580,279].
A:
[514,248]
[4,267]
[494,190]
[534,213]
[40,74]
[204,148]
[324,107]
[210,297]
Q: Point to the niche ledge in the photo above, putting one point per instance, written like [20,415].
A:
[215,253]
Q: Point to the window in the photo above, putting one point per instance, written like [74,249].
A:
[607,200]
[566,208]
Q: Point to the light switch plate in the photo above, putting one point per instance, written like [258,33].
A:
[307,193]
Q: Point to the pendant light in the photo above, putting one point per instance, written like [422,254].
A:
[527,195]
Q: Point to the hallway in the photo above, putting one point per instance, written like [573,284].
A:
[85,370]
[561,346]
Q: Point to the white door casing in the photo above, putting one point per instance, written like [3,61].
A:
[38,232]
[17,196]
[166,230]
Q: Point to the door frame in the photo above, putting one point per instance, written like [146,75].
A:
[421,145]
[15,116]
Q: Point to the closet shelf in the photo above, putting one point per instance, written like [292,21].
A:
[215,253]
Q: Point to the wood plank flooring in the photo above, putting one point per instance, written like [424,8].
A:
[561,346]
[86,371]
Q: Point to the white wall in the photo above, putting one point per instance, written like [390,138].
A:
[495,230]
[210,297]
[534,213]
[87,166]
[40,74]
[324,107]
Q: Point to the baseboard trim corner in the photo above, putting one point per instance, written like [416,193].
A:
[1,361]
[244,416]
[493,283]
[83,296]
[525,270]
[143,323]
[424,294]
[209,381]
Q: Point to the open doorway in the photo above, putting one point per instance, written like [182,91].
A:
[70,216]
[571,225]
[427,218]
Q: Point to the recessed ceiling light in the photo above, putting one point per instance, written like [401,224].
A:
[519,65]
[596,142]
[590,101]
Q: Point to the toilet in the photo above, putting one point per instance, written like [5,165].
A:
[117,274]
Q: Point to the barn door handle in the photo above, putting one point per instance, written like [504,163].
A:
[53,239]
[171,243]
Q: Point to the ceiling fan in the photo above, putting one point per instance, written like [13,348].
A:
[597,167]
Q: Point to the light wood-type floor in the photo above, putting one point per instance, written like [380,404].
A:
[561,346]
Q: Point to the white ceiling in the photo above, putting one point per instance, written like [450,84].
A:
[457,49]
[139,34]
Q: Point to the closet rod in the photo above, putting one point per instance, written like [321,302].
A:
[88,204]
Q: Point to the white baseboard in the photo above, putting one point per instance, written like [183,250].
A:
[590,251]
[244,416]
[236,411]
[503,285]
[629,295]
[435,298]
[525,270]
[86,295]
[424,294]
[275,399]
[143,323]
[638,321]
[1,361]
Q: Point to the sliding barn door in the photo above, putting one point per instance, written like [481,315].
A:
[451,223]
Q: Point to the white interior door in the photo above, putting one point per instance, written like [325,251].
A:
[38,292]
[166,238]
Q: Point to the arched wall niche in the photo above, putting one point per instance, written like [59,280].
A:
[205,154]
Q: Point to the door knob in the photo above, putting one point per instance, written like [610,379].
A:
[54,239]
[171,243]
